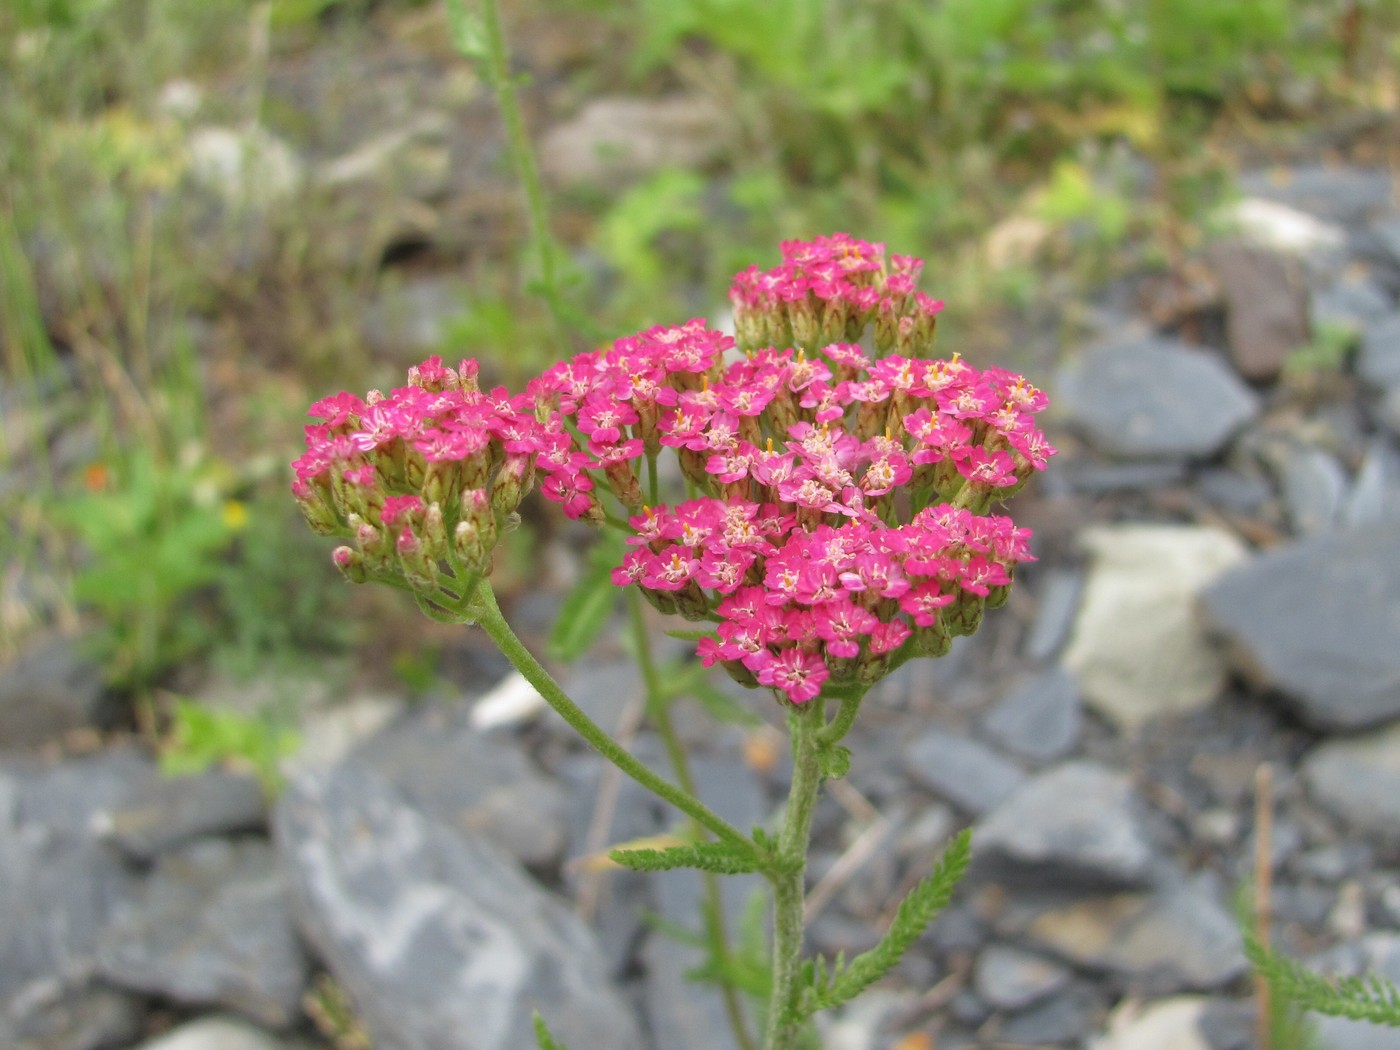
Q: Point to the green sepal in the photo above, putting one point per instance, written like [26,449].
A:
[834,983]
[718,857]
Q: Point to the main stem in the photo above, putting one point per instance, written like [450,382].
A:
[487,613]
[789,883]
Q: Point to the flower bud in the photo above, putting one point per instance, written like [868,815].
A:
[418,568]
[350,563]
[512,481]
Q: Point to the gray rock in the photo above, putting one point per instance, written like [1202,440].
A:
[1386,234]
[415,317]
[692,1015]
[60,888]
[1317,620]
[215,1033]
[1067,1017]
[440,939]
[1265,304]
[1379,360]
[1314,488]
[1137,650]
[212,928]
[1350,303]
[1153,397]
[617,139]
[1375,494]
[505,797]
[1348,195]
[172,811]
[964,772]
[45,692]
[1180,937]
[1057,599]
[1011,979]
[1358,778]
[1077,824]
[1039,719]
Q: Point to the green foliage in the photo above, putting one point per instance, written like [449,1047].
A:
[587,608]
[1366,998]
[154,535]
[543,1037]
[830,984]
[834,761]
[719,857]
[201,737]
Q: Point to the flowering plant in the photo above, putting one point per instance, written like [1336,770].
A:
[836,522]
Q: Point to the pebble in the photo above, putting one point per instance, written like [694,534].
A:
[1358,778]
[1009,978]
[1266,306]
[1378,362]
[46,691]
[215,1033]
[168,812]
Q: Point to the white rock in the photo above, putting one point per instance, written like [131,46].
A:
[1168,1024]
[617,139]
[1282,228]
[249,166]
[1137,648]
[214,1033]
[512,701]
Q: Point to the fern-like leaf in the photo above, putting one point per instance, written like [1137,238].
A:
[707,856]
[835,983]
[1367,998]
[543,1037]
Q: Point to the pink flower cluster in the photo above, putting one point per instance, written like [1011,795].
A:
[840,499]
[423,478]
[838,478]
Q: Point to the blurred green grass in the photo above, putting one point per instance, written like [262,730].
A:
[160,340]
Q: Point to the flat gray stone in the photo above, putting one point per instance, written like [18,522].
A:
[174,810]
[505,797]
[1011,979]
[1379,359]
[1358,778]
[443,942]
[1040,718]
[1137,650]
[212,928]
[1375,493]
[1077,825]
[962,771]
[1318,620]
[1153,397]
[620,138]
[61,887]
[45,692]
[1344,194]
[1180,937]
[1350,303]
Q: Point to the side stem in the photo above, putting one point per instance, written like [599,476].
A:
[789,883]
[487,613]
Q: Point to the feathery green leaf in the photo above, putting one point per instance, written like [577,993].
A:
[707,856]
[835,983]
[1366,998]
[543,1038]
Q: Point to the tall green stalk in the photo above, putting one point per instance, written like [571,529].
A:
[486,43]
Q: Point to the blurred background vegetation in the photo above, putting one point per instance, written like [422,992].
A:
[212,213]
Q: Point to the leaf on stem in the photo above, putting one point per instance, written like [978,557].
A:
[1366,998]
[833,984]
[468,33]
[587,608]
[718,857]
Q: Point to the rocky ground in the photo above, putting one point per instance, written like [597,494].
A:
[1218,591]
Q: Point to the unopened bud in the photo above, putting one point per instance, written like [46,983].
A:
[351,564]
[417,567]
[512,482]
